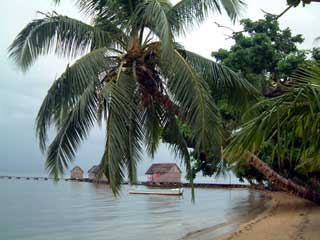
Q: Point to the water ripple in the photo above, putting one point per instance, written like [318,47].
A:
[71,210]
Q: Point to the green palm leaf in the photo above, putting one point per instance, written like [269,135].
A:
[188,13]
[222,80]
[153,122]
[68,88]
[134,143]
[54,33]
[192,95]
[76,125]
[119,124]
[291,116]
[153,14]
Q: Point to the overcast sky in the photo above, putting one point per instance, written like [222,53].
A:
[21,94]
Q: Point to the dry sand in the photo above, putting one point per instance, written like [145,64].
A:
[290,218]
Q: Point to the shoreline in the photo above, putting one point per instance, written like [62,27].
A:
[223,229]
[288,218]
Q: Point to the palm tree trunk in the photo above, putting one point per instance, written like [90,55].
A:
[281,182]
[275,178]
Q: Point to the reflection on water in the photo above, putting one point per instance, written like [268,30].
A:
[72,210]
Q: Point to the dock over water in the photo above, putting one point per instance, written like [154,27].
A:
[163,185]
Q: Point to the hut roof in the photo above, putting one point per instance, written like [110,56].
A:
[161,168]
[94,169]
[77,168]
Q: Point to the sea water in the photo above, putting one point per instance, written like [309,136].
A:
[38,210]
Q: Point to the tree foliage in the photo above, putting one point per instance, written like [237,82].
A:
[286,131]
[263,53]
[267,56]
[296,3]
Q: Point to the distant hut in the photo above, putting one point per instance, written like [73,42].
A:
[93,174]
[164,173]
[76,173]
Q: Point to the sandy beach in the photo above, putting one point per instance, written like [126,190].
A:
[289,218]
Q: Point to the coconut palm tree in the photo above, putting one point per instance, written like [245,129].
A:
[132,75]
[293,120]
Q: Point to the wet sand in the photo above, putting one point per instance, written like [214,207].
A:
[234,222]
[289,218]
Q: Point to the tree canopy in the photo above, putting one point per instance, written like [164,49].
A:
[267,56]
[263,52]
[290,123]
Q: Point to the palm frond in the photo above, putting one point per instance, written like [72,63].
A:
[112,160]
[291,117]
[152,121]
[134,144]
[223,81]
[76,125]
[188,13]
[233,8]
[68,88]
[135,133]
[120,8]
[153,14]
[119,140]
[54,33]
[191,93]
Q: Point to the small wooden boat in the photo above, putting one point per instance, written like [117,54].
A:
[171,192]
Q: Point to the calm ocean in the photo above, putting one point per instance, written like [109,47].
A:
[44,210]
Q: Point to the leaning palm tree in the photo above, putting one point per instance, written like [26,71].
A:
[132,75]
[293,121]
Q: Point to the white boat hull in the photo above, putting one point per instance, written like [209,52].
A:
[167,192]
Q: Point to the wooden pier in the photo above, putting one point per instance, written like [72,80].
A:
[50,178]
[160,185]
[28,178]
